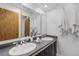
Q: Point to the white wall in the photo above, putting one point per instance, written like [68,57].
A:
[44,24]
[54,18]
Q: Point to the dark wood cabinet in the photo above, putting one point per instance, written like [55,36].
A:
[49,51]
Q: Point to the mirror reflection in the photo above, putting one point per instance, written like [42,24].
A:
[19,20]
[27,25]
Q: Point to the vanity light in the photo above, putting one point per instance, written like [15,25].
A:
[45,5]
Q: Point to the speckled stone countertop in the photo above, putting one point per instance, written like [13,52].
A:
[40,46]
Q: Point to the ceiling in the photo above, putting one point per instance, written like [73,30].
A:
[50,5]
[41,6]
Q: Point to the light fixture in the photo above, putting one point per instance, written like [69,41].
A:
[45,5]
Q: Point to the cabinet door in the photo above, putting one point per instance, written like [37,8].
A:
[49,51]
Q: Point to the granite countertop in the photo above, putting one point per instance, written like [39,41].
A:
[40,46]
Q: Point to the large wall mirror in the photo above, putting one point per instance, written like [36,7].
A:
[18,25]
[38,20]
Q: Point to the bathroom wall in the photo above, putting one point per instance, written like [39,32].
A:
[44,23]
[54,18]
[8,24]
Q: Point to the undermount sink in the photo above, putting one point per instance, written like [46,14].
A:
[47,39]
[22,49]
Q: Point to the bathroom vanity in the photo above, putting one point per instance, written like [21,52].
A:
[44,48]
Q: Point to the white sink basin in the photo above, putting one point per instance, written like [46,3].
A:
[47,39]
[22,49]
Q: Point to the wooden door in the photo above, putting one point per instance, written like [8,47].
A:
[8,25]
[27,25]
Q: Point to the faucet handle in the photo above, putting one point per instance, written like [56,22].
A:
[15,43]
[22,41]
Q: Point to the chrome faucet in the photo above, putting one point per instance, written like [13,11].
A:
[15,43]
[21,42]
[18,42]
